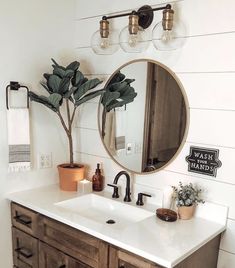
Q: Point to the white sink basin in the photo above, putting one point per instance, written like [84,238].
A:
[101,209]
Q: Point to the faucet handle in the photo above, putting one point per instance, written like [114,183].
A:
[140,201]
[115,190]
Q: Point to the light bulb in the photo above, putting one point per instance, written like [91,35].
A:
[104,46]
[169,39]
[104,43]
[167,36]
[134,43]
[133,40]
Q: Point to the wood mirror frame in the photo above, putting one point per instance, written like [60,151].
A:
[154,69]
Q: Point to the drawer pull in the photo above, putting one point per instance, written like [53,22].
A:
[24,252]
[25,220]
[63,266]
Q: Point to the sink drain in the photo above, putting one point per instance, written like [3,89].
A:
[110,221]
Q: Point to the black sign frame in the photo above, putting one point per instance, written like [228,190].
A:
[203,161]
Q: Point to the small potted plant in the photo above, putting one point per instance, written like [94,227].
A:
[67,86]
[187,197]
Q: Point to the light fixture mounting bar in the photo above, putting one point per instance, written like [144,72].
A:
[145,14]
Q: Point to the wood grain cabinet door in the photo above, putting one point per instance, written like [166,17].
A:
[25,249]
[24,219]
[121,259]
[83,247]
[50,257]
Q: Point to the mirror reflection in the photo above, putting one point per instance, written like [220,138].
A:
[142,116]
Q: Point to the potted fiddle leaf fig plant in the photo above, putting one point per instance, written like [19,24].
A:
[67,86]
[187,197]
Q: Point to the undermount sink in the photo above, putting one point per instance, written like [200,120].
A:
[105,211]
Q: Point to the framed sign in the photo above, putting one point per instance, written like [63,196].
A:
[204,161]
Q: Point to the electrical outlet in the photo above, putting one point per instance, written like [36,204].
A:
[45,160]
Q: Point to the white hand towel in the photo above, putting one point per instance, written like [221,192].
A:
[18,139]
[121,129]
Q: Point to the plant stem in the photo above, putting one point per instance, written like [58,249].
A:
[63,123]
[73,114]
[70,134]
[103,123]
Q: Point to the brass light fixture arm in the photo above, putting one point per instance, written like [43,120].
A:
[145,14]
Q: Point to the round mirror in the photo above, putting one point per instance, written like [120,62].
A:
[143,116]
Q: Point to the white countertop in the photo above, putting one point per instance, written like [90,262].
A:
[165,243]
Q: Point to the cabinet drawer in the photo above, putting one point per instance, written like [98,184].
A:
[83,247]
[25,249]
[50,257]
[24,219]
[121,259]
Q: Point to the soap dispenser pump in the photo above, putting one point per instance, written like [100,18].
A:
[97,180]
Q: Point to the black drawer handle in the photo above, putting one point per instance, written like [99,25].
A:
[23,219]
[63,266]
[24,252]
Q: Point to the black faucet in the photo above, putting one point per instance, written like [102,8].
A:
[140,201]
[127,197]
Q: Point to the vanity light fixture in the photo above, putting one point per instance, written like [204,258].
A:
[134,37]
[103,42]
[168,35]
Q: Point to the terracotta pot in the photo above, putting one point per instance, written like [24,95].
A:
[186,213]
[69,176]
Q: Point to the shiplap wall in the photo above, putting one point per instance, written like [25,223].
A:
[206,68]
[31,32]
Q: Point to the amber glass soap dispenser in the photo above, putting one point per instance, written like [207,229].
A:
[97,180]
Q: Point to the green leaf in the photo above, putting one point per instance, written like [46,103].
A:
[90,84]
[54,83]
[55,100]
[73,66]
[43,100]
[54,62]
[78,77]
[63,73]
[64,86]
[118,77]
[118,86]
[129,81]
[59,72]
[89,97]
[108,97]
[57,65]
[46,76]
[68,94]
[46,87]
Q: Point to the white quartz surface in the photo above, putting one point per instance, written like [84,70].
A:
[165,243]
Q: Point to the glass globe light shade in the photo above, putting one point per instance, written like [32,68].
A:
[134,43]
[169,39]
[104,46]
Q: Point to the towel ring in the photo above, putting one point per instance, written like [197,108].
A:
[16,86]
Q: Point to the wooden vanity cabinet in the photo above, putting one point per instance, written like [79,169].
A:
[50,257]
[90,250]
[121,259]
[41,242]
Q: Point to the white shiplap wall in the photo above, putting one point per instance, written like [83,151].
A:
[206,68]
[31,32]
